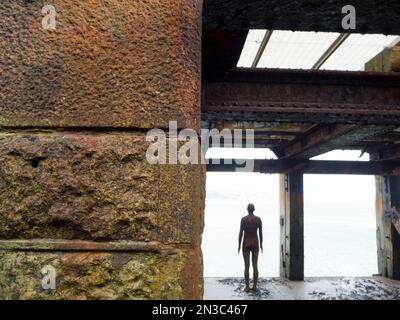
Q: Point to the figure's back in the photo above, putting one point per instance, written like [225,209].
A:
[250,224]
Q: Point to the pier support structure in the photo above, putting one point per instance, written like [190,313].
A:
[387,203]
[291,226]
[388,237]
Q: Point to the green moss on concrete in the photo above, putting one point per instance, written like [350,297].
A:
[83,275]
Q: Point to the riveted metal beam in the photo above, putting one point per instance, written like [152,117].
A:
[303,96]
[384,167]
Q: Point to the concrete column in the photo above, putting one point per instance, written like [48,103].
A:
[292,226]
[77,195]
[388,238]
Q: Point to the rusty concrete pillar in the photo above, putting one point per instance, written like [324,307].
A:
[77,196]
[292,226]
[388,238]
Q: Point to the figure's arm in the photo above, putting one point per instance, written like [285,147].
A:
[261,235]
[240,234]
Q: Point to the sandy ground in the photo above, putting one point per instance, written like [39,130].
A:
[370,288]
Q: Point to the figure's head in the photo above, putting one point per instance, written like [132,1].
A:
[250,208]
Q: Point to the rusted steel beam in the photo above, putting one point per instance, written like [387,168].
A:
[372,16]
[316,141]
[312,77]
[384,167]
[258,143]
[325,138]
[389,137]
[297,95]
[306,115]
[289,128]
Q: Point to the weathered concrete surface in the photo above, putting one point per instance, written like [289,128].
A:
[108,64]
[75,104]
[99,275]
[312,288]
[101,187]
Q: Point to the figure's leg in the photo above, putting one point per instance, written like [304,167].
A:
[254,258]
[246,257]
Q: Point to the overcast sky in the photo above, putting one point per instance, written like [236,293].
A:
[315,186]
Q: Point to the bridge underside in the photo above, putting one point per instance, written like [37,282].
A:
[300,115]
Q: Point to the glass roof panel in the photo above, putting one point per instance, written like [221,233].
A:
[253,41]
[356,50]
[301,50]
[295,50]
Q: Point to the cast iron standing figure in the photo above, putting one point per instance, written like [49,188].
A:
[249,225]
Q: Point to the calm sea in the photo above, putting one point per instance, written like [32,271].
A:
[339,224]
